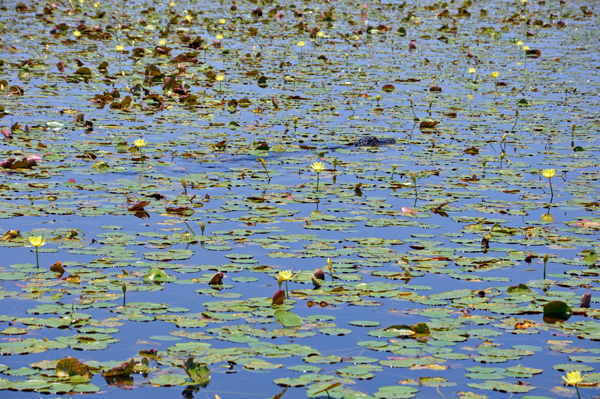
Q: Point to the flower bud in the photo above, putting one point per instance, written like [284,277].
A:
[319,274]
[278,297]
[586,300]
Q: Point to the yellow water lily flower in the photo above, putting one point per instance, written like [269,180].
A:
[573,378]
[547,218]
[119,48]
[495,74]
[318,166]
[220,78]
[139,143]
[301,43]
[549,173]
[37,241]
[472,70]
[286,275]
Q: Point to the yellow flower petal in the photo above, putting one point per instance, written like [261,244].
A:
[318,166]
[37,241]
[573,378]
[285,275]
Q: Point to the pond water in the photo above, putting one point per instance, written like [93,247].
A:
[154,144]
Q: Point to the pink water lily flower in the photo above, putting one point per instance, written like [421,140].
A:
[406,211]
[586,223]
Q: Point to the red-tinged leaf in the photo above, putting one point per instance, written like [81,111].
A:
[279,395]
[337,384]
[10,234]
[151,353]
[139,206]
[262,147]
[472,151]
[57,268]
[20,164]
[217,279]
[180,210]
[123,368]
[70,367]
[428,124]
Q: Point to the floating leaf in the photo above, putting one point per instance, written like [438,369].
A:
[288,319]
[70,367]
[156,276]
[198,372]
[557,309]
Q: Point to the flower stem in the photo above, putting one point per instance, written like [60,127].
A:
[551,189]
[516,119]
[413,108]
[287,294]
[577,389]
[37,258]
[317,181]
